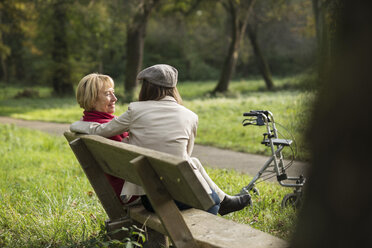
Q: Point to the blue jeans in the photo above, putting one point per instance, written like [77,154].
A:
[181,206]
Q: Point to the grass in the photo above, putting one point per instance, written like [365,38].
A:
[266,213]
[219,117]
[46,200]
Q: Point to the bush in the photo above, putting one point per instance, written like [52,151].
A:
[27,93]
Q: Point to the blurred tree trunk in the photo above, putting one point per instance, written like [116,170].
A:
[320,9]
[338,198]
[61,77]
[239,12]
[4,53]
[136,33]
[12,14]
[261,61]
[4,70]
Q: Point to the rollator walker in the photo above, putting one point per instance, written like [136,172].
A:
[274,166]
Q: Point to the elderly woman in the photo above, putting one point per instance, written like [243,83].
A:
[159,121]
[95,94]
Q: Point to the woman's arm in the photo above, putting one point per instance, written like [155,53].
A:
[190,144]
[116,126]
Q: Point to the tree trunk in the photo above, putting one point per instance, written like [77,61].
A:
[230,60]
[4,76]
[322,36]
[338,198]
[61,78]
[239,18]
[261,62]
[136,33]
[4,53]
[134,45]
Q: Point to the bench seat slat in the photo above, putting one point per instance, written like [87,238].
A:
[213,231]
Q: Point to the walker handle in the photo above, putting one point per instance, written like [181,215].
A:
[257,113]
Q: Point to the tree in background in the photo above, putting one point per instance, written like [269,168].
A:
[263,11]
[338,199]
[136,33]
[323,35]
[239,12]
[95,38]
[61,70]
[177,34]
[186,33]
[13,15]
[4,48]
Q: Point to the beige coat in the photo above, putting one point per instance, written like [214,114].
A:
[162,125]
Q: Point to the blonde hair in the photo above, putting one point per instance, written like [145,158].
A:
[89,87]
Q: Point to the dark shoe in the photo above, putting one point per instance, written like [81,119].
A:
[234,203]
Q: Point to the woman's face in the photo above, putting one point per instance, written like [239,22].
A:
[106,100]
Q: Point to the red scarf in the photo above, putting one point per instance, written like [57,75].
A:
[101,117]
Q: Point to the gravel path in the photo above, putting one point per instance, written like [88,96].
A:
[209,156]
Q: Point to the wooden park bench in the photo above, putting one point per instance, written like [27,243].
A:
[164,177]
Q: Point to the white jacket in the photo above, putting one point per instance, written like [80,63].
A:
[163,125]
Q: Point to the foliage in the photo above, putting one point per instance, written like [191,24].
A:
[136,237]
[46,200]
[187,34]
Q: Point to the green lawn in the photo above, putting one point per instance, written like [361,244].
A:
[219,117]
[46,200]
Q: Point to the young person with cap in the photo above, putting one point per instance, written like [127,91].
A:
[158,121]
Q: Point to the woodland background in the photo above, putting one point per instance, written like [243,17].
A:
[57,42]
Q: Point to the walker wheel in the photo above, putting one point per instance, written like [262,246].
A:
[291,200]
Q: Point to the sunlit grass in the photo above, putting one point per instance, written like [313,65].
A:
[266,213]
[44,200]
[220,120]
[47,201]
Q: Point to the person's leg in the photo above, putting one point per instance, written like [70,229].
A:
[214,209]
[228,203]
[146,203]
[181,206]
[210,182]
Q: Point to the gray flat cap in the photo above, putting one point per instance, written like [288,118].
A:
[162,75]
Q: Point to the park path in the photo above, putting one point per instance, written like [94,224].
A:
[209,156]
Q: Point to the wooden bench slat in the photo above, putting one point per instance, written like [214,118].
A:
[182,183]
[164,205]
[113,160]
[176,174]
[213,231]
[98,180]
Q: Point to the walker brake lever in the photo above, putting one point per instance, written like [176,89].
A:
[247,122]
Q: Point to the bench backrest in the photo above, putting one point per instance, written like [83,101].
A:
[115,158]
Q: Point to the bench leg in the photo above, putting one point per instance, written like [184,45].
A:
[153,238]
[163,204]
[112,226]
